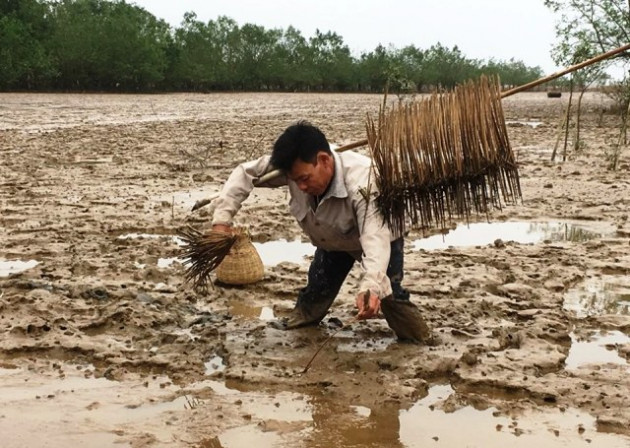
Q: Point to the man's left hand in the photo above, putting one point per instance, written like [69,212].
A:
[369,305]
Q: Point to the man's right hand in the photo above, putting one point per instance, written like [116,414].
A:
[369,305]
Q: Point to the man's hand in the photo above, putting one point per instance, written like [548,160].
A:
[369,305]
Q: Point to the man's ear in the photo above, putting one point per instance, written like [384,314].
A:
[324,158]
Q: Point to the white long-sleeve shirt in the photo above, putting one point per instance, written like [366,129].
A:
[342,221]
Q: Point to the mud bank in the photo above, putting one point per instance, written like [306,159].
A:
[103,344]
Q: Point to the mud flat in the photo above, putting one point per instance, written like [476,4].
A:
[103,344]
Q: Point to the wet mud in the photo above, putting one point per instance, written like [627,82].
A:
[104,344]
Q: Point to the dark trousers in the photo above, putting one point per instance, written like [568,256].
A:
[329,269]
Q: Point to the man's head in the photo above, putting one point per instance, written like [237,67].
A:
[303,154]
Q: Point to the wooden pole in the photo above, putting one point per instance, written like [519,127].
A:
[573,68]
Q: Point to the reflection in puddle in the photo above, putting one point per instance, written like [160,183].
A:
[608,294]
[266,313]
[214,365]
[275,252]
[136,236]
[426,424]
[8,267]
[533,124]
[167,262]
[421,426]
[100,412]
[93,409]
[247,311]
[523,232]
[596,351]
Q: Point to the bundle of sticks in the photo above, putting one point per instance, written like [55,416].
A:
[203,252]
[445,156]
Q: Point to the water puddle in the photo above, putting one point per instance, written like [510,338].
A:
[425,425]
[606,294]
[599,349]
[214,365]
[137,236]
[8,267]
[247,311]
[100,412]
[517,123]
[95,410]
[523,232]
[266,313]
[167,262]
[273,253]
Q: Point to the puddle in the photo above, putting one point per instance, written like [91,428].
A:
[608,294]
[421,426]
[596,351]
[273,253]
[266,313]
[425,424]
[515,123]
[100,412]
[94,410]
[247,311]
[214,365]
[523,232]
[167,262]
[8,267]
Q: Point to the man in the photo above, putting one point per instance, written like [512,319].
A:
[333,202]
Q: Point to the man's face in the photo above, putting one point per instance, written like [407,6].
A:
[313,178]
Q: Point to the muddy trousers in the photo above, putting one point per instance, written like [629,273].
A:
[327,273]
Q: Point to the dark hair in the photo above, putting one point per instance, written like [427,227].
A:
[299,141]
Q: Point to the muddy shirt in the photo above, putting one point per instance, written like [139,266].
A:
[341,220]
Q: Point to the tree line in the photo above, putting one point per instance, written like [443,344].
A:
[100,45]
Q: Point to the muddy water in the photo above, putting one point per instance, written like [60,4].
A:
[597,295]
[478,234]
[70,410]
[8,267]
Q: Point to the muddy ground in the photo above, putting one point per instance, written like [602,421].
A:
[103,344]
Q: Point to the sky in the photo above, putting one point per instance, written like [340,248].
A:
[481,29]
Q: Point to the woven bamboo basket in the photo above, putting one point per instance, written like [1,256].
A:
[242,265]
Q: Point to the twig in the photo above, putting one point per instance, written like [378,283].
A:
[366,301]
[324,344]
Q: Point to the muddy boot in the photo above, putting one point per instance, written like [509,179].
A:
[406,320]
[301,316]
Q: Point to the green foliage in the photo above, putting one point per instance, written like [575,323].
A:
[24,63]
[108,45]
[112,45]
[587,28]
[595,25]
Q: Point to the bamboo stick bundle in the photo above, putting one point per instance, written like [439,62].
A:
[446,156]
[203,253]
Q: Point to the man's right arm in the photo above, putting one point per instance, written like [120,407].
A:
[238,187]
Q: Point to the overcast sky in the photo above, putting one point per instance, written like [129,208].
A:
[482,29]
